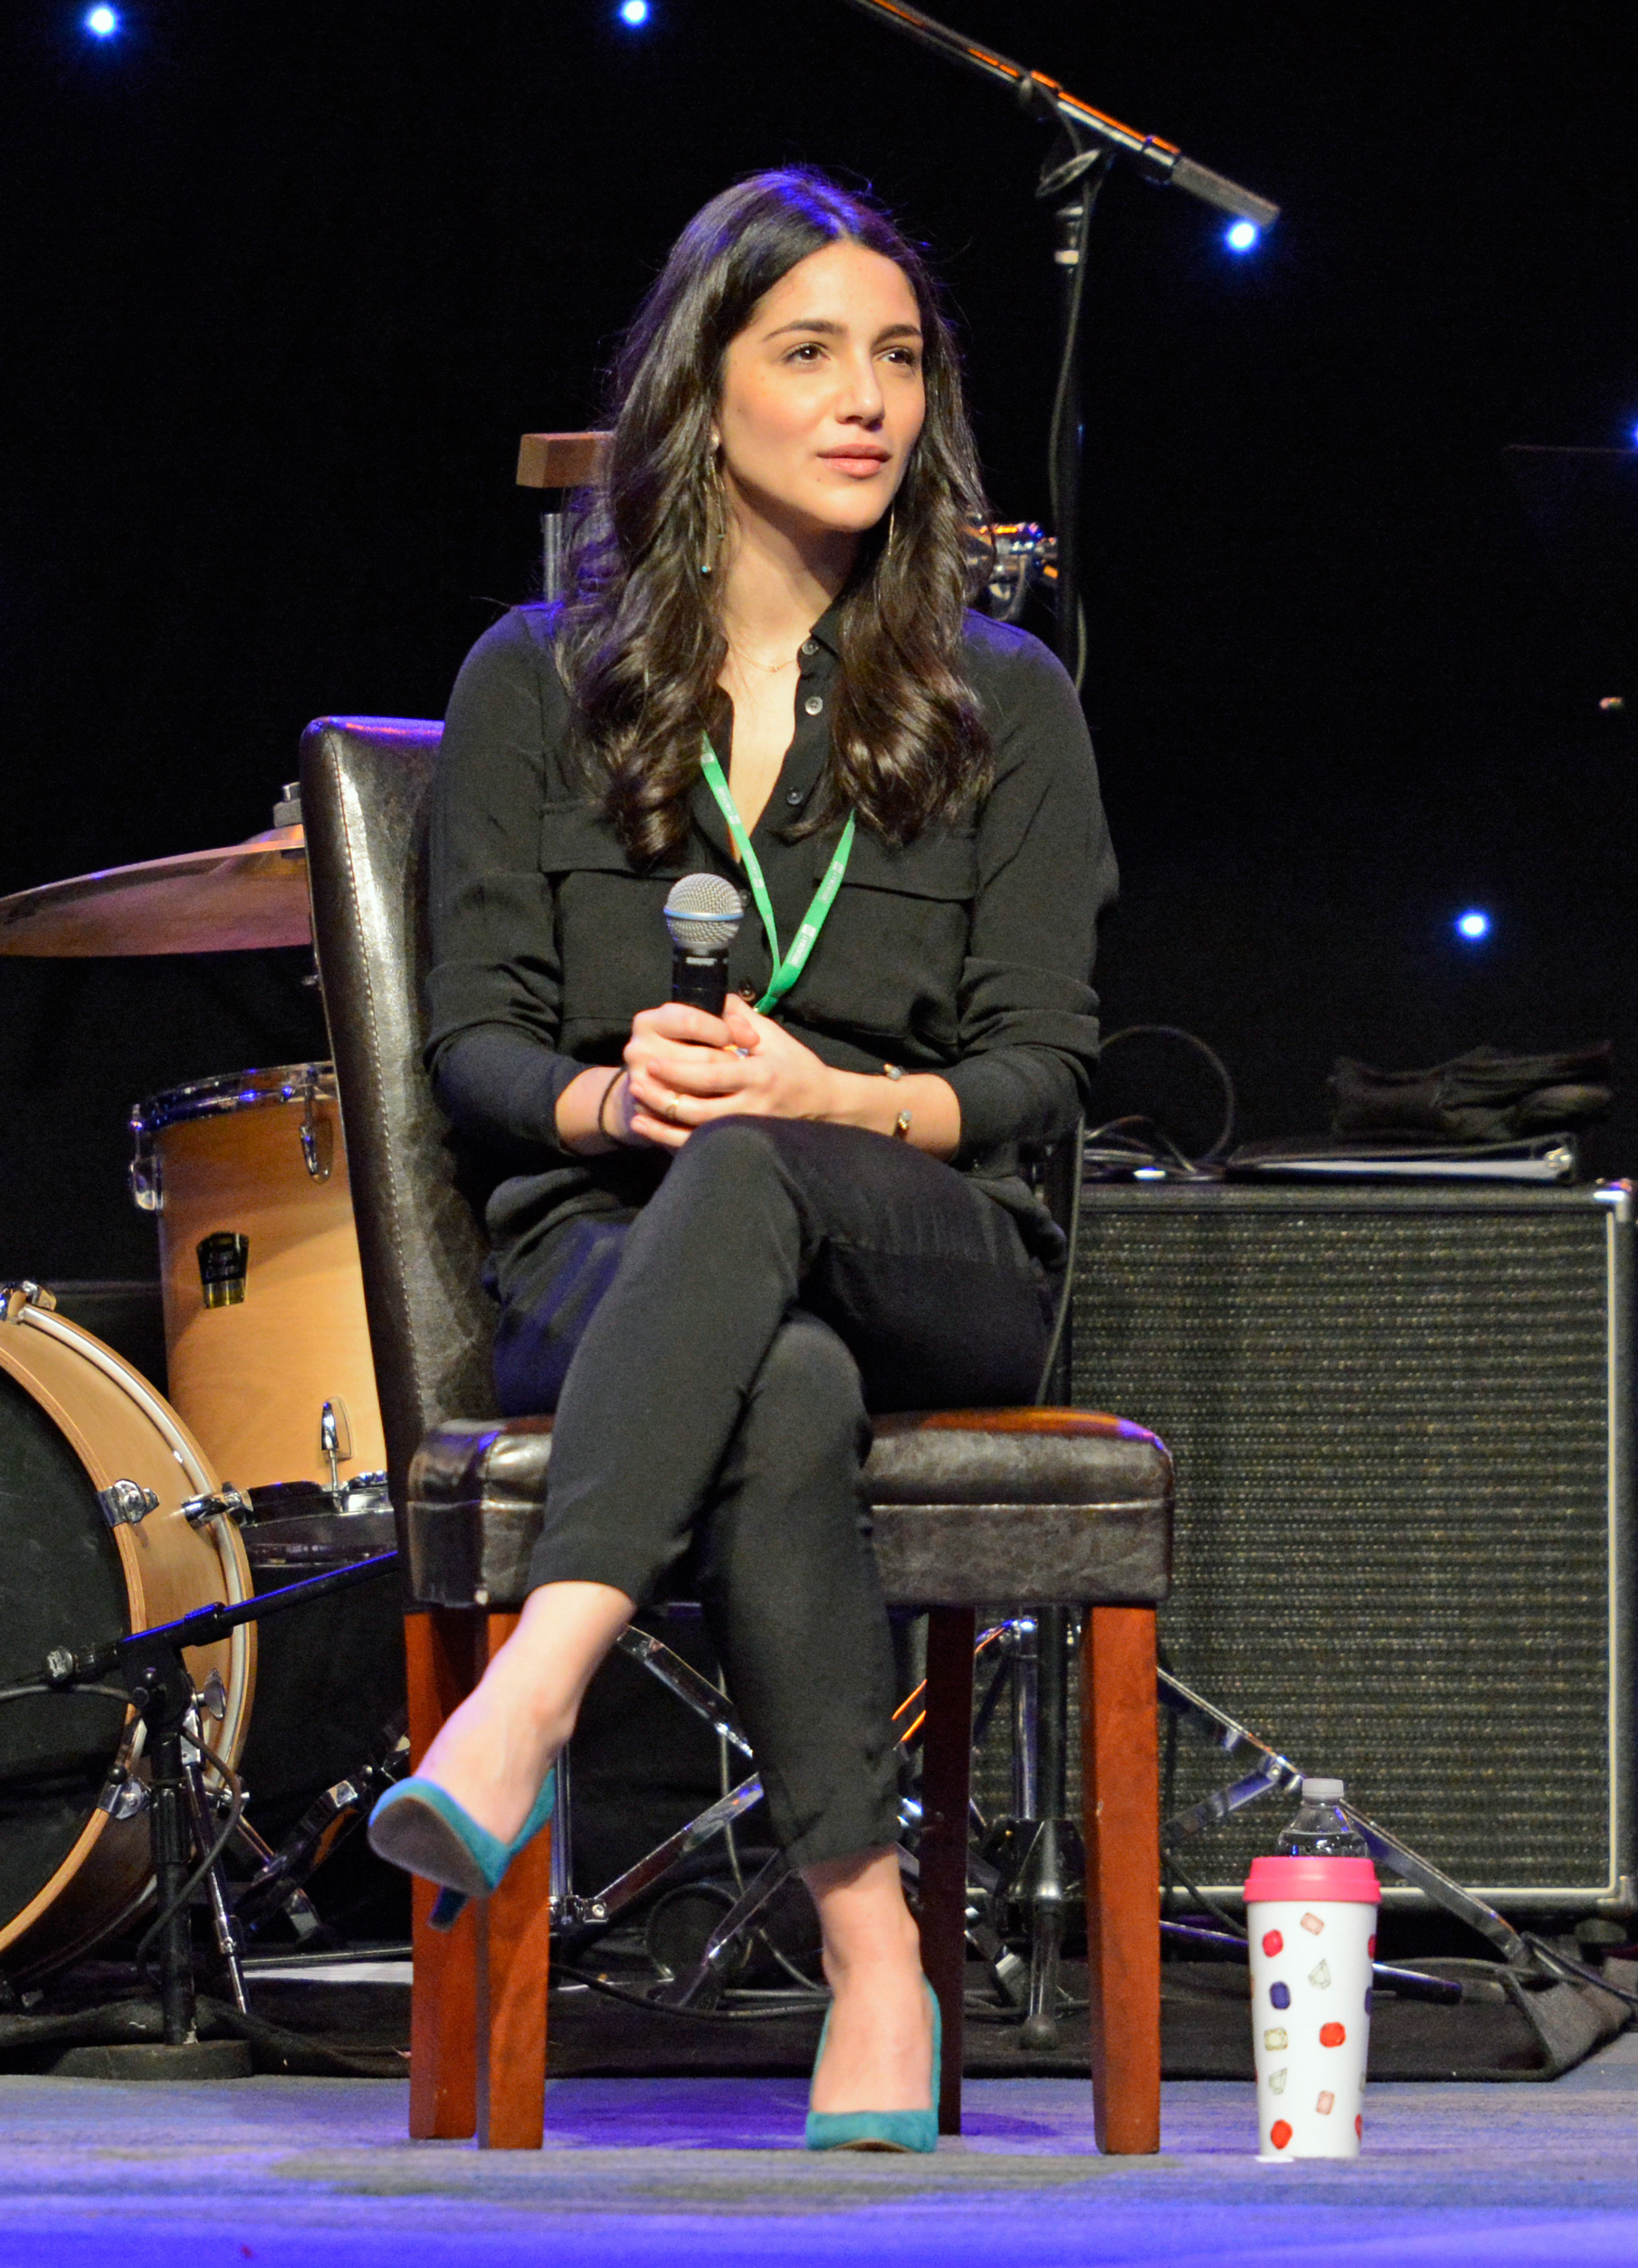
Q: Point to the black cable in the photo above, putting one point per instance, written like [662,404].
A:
[986,1707]
[235,1813]
[1190,1039]
[1138,1148]
[1088,168]
[1574,1972]
[1202,1898]
[636,1998]
[1066,1291]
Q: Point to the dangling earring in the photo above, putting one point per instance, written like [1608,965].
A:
[716,515]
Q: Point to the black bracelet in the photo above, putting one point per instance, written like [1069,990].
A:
[603,1106]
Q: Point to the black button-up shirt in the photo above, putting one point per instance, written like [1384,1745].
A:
[967,953]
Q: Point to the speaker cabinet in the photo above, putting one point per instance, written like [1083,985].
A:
[1402,1421]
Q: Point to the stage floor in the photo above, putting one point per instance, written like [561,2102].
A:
[293,2172]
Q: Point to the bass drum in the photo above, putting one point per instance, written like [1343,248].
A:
[76,1422]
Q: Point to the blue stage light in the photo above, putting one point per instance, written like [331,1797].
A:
[1240,236]
[1474,925]
[635,12]
[102,23]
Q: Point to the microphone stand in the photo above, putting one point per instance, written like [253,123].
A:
[149,1664]
[1094,141]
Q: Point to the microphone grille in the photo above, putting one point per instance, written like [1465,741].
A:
[703,912]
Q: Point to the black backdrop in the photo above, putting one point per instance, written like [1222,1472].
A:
[283,284]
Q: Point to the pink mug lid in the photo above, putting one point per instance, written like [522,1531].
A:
[1280,1881]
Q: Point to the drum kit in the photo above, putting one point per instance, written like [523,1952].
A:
[261,1464]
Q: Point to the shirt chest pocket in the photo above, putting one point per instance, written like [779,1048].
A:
[611,937]
[902,920]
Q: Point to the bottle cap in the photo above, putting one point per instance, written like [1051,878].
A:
[1283,1881]
[1322,1791]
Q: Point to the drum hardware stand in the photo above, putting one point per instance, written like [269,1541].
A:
[276,1886]
[1040,1656]
[1274,1773]
[1037,1861]
[697,1693]
[161,1688]
[571,1911]
[296,1906]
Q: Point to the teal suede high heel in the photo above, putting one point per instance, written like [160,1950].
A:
[418,1826]
[880,2130]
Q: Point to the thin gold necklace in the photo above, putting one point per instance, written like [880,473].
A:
[771,668]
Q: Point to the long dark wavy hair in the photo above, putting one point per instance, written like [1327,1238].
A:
[639,640]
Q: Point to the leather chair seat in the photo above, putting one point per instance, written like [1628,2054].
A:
[1029,1507]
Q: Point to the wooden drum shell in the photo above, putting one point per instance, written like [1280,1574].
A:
[252,1378]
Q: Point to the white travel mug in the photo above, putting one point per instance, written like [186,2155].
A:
[1312,1924]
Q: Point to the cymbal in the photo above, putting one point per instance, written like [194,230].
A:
[237,899]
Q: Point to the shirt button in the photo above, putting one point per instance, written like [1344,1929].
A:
[793,794]
[748,992]
[813,704]
[808,645]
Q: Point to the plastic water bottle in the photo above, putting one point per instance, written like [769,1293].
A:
[1321,1828]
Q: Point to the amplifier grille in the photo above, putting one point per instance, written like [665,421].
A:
[1390,1420]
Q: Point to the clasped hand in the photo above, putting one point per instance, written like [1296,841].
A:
[684,1068]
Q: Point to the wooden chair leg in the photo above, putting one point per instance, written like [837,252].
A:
[946,1768]
[1120,1745]
[514,1949]
[442,1670]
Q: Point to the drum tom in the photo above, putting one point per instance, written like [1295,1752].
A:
[267,1345]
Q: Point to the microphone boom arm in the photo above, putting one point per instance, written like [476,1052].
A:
[1160,161]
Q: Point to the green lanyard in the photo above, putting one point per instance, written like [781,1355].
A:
[786,969]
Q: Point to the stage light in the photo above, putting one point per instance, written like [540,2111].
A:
[102,23]
[1240,236]
[1474,925]
[635,12]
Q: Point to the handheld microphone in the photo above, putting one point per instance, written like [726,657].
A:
[702,914]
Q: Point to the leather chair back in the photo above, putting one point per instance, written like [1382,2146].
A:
[365,782]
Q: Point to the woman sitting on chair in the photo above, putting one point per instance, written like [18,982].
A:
[720,1242]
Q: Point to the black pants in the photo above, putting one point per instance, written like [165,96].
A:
[711,1361]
